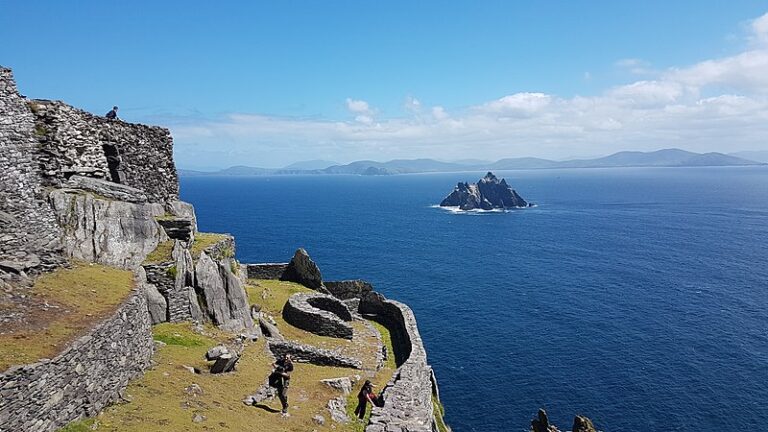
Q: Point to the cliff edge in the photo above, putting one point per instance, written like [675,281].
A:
[111,289]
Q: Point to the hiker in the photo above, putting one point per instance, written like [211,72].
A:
[112,114]
[365,395]
[281,379]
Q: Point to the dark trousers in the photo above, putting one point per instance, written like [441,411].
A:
[360,410]
[282,394]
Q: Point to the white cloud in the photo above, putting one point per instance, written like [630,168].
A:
[719,104]
[358,106]
[518,104]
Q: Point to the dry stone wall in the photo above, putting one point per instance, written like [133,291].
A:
[74,142]
[318,313]
[29,235]
[81,381]
[408,395]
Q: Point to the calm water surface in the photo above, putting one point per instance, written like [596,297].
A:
[638,297]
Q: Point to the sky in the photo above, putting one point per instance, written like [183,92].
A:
[270,83]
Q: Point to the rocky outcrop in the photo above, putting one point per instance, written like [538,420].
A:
[106,231]
[107,189]
[541,424]
[487,194]
[582,424]
[89,375]
[318,313]
[225,300]
[303,270]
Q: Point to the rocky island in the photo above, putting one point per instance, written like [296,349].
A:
[487,194]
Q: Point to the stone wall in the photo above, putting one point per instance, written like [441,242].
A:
[74,142]
[408,395]
[29,235]
[81,381]
[271,271]
[318,313]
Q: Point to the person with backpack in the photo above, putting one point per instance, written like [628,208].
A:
[364,396]
[280,379]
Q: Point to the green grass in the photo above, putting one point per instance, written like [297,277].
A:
[170,335]
[166,217]
[205,240]
[439,414]
[163,253]
[79,426]
[82,295]
[387,339]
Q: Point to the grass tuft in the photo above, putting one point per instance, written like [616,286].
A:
[163,253]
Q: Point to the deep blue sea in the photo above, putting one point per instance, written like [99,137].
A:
[637,297]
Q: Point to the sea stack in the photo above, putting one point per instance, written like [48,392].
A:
[487,194]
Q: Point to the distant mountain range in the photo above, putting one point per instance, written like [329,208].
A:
[660,158]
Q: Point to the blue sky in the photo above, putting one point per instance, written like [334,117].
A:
[270,83]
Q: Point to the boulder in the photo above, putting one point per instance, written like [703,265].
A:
[337,408]
[344,384]
[487,194]
[158,307]
[541,423]
[582,424]
[269,330]
[304,271]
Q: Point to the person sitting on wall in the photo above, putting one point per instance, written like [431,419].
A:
[112,114]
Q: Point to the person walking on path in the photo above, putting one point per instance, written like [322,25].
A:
[365,396]
[112,114]
[282,375]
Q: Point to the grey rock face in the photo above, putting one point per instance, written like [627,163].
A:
[208,281]
[183,210]
[226,302]
[115,233]
[487,194]
[107,189]
[541,423]
[318,313]
[304,271]
[178,229]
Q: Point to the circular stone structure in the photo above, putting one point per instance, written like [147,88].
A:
[320,314]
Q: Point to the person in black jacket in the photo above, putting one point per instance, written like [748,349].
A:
[112,114]
[282,379]
[364,396]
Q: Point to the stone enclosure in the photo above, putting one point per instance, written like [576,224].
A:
[318,313]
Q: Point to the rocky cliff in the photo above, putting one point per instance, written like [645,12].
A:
[487,194]
[79,191]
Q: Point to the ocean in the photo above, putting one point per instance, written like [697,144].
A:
[636,296]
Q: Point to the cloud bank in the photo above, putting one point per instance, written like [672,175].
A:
[715,105]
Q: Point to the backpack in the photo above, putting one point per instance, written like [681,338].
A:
[275,379]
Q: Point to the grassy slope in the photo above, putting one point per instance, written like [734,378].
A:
[78,298]
[160,402]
